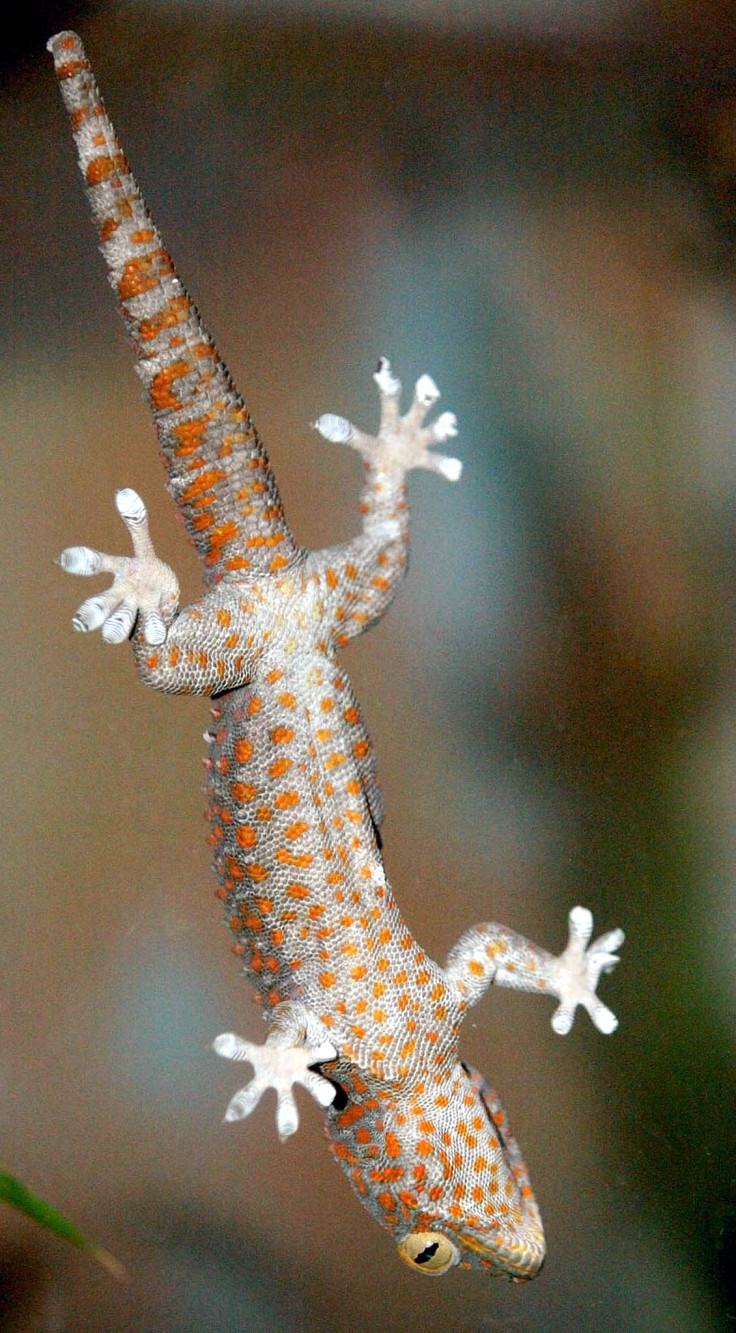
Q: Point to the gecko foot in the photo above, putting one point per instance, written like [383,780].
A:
[279,1066]
[143,586]
[402,442]
[574,975]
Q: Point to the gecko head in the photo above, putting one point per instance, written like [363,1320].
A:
[440,1168]
[484,1214]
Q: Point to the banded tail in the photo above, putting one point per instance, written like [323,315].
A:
[218,470]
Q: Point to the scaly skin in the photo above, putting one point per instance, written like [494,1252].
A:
[358,1013]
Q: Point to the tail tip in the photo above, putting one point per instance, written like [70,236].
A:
[64,46]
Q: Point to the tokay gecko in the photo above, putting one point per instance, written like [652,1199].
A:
[357,1013]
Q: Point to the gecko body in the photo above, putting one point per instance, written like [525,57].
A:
[357,1012]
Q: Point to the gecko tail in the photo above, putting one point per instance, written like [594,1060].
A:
[218,470]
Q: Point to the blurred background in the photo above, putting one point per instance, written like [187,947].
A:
[534,201]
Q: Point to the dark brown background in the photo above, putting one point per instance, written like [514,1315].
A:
[537,206]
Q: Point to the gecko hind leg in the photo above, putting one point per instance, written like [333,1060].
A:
[291,1048]
[402,442]
[142,587]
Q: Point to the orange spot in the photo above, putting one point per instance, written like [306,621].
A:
[243,750]
[279,767]
[351,715]
[349,1117]
[243,791]
[282,735]
[297,891]
[219,537]
[286,858]
[207,479]
[224,617]
[327,979]
[103,167]
[256,871]
[342,1150]
[175,312]
[296,830]
[286,799]
[361,749]
[254,706]
[145,271]
[70,68]
[357,973]
[246,836]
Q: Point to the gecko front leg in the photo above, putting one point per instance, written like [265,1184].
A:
[490,953]
[296,1042]
[143,587]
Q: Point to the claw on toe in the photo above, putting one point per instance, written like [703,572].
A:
[577,971]
[402,442]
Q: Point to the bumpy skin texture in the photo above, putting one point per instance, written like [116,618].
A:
[358,1013]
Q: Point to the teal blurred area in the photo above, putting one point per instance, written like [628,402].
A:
[535,203]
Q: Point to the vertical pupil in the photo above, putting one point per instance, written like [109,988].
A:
[427,1253]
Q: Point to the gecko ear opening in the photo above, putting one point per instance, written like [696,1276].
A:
[428,1252]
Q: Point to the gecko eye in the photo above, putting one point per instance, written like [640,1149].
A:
[428,1251]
